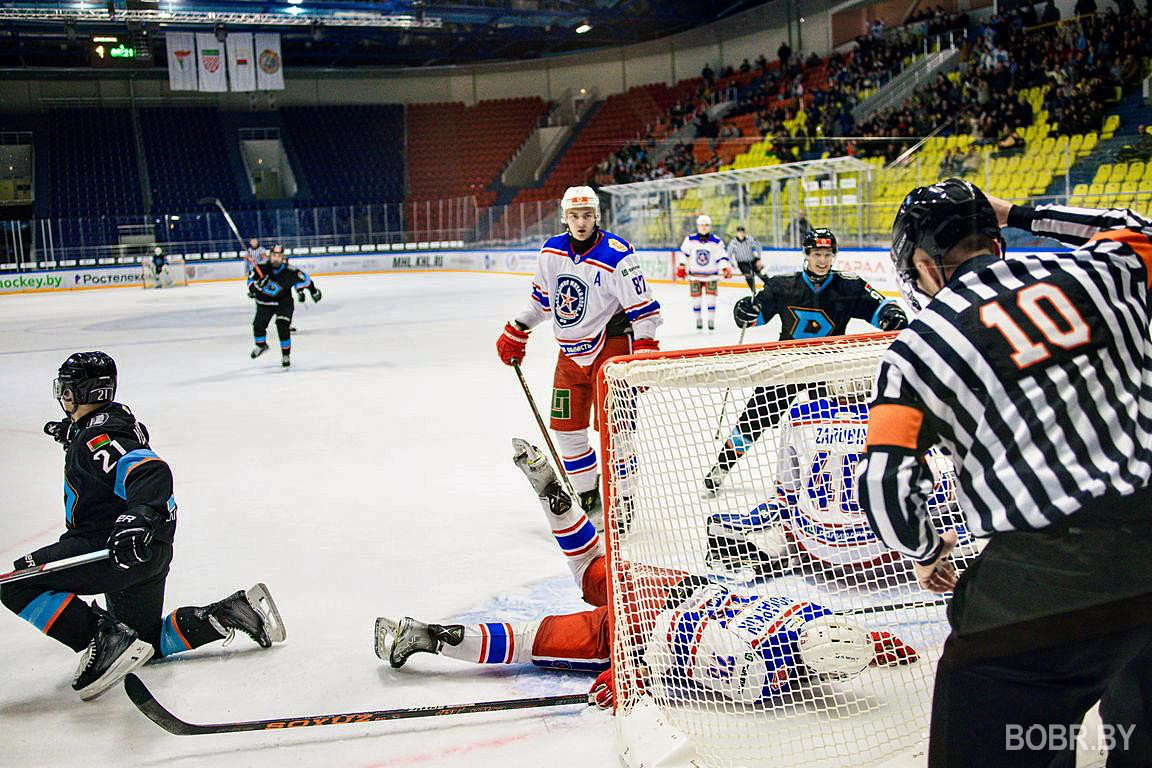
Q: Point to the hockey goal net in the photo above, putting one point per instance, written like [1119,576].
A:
[719,657]
[173,274]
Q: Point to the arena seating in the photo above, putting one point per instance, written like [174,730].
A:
[187,158]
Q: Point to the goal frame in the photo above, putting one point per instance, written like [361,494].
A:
[175,261]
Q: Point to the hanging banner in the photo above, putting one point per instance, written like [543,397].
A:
[269,63]
[241,62]
[210,55]
[181,61]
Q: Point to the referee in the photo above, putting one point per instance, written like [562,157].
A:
[745,251]
[1035,375]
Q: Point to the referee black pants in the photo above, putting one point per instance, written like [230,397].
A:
[135,596]
[1044,625]
[746,269]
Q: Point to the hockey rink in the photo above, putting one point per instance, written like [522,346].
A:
[372,478]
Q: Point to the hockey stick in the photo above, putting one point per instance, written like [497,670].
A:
[891,607]
[231,225]
[146,703]
[547,437]
[727,392]
[55,565]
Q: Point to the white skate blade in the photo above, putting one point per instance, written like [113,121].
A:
[135,655]
[261,601]
[385,628]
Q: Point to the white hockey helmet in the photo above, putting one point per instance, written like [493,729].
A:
[833,649]
[579,197]
[703,223]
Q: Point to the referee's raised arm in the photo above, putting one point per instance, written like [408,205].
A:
[1033,374]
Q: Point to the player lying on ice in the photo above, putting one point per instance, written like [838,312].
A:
[814,520]
[118,495]
[745,648]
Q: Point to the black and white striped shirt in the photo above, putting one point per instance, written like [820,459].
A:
[1033,372]
[744,251]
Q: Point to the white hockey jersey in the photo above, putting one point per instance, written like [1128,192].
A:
[704,257]
[583,292]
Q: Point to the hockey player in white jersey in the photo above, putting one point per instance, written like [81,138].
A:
[589,283]
[703,260]
[813,518]
[744,648]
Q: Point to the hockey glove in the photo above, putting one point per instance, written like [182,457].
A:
[681,272]
[603,693]
[252,291]
[727,272]
[892,318]
[891,650]
[746,313]
[60,431]
[512,343]
[315,293]
[645,345]
[300,296]
[131,539]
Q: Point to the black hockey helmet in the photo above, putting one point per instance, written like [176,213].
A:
[936,218]
[88,377]
[821,238]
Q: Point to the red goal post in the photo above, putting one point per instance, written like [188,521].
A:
[658,415]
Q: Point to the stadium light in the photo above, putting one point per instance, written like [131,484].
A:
[294,9]
[295,2]
[584,27]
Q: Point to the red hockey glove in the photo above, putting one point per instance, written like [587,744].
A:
[603,693]
[512,343]
[727,272]
[891,650]
[681,272]
[645,345]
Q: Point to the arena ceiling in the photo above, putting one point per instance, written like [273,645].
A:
[354,33]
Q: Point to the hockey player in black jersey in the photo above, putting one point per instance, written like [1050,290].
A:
[815,302]
[273,295]
[118,495]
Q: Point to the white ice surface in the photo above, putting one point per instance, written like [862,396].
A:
[372,478]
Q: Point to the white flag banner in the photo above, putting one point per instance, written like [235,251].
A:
[241,61]
[210,54]
[181,61]
[269,62]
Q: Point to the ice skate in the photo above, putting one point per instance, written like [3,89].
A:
[285,360]
[258,350]
[114,651]
[699,325]
[534,464]
[713,480]
[711,325]
[251,611]
[397,641]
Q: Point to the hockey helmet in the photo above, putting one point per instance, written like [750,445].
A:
[833,649]
[85,378]
[822,239]
[935,218]
[579,197]
[703,223]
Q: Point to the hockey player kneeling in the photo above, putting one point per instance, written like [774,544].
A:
[814,520]
[745,648]
[118,496]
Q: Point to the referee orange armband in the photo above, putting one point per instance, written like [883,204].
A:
[894,426]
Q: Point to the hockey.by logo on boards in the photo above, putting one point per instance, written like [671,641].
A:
[571,300]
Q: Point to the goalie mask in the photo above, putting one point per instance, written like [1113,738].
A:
[934,219]
[833,649]
[85,378]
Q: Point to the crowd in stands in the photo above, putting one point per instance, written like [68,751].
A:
[805,104]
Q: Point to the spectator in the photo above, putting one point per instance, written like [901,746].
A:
[1051,13]
[708,74]
[784,53]
[1084,8]
[797,229]
[746,66]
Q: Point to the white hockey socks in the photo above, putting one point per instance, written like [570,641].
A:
[494,643]
[579,459]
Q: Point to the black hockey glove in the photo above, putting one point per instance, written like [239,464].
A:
[892,318]
[60,431]
[316,295]
[131,539]
[300,295]
[746,313]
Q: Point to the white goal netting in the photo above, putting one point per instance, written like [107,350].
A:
[171,275]
[759,622]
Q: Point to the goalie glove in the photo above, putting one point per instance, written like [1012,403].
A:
[131,539]
[603,693]
[891,650]
[512,344]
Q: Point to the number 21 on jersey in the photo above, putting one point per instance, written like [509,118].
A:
[1053,318]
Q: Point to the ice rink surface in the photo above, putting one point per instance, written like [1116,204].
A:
[372,478]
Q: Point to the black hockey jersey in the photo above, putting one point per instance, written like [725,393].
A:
[109,468]
[809,311]
[277,284]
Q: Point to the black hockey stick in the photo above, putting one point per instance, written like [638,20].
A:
[146,703]
[231,225]
[55,565]
[892,607]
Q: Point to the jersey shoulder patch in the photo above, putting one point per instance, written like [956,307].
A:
[616,245]
[849,276]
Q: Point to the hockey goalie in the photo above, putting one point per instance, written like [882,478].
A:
[812,520]
[698,636]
